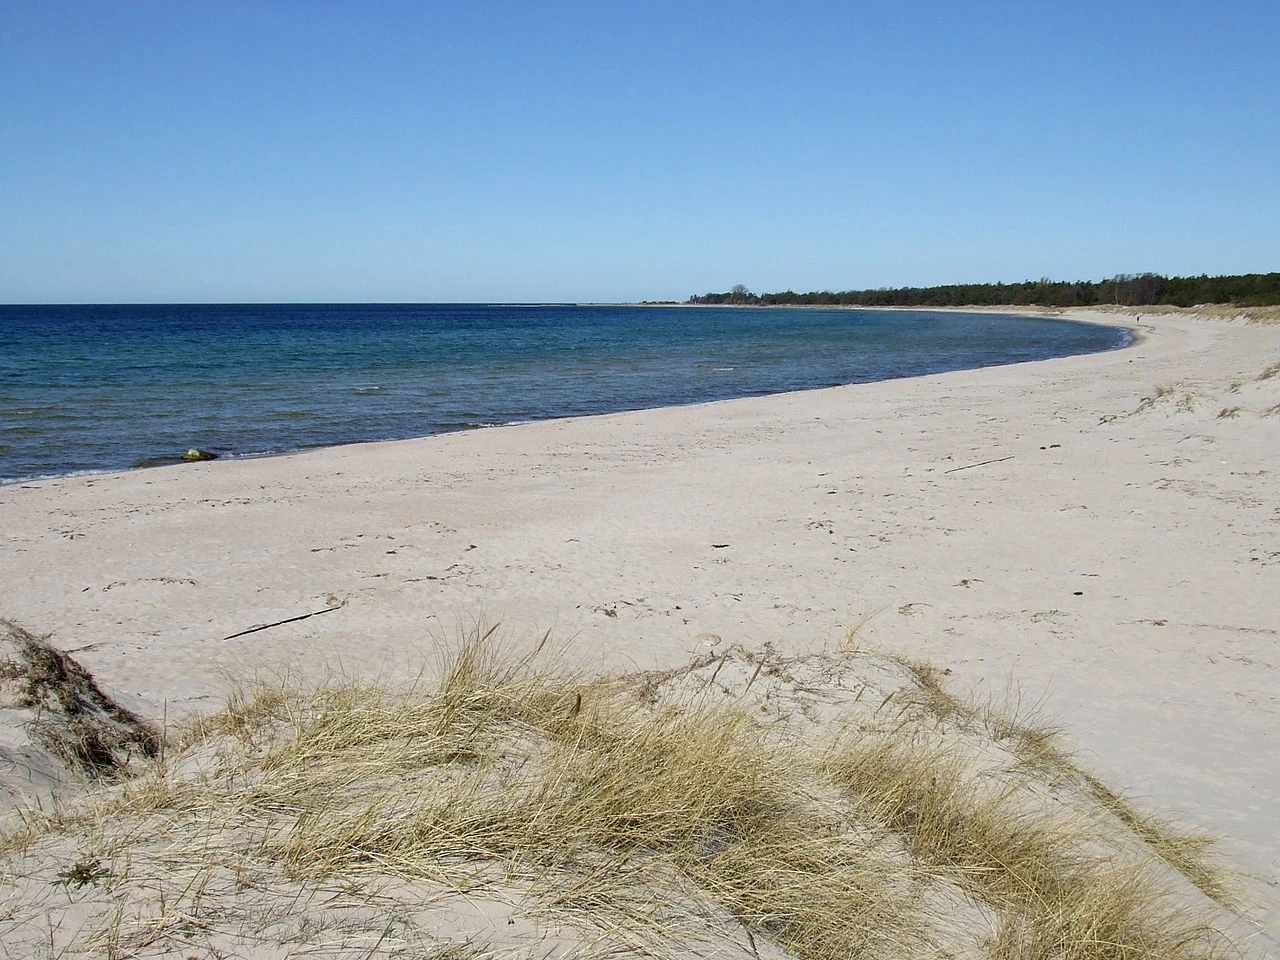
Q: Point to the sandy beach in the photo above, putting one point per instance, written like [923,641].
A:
[1099,533]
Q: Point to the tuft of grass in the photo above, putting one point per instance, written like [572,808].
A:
[1021,726]
[1056,898]
[820,897]
[1037,743]
[82,873]
[849,643]
[934,695]
[1192,853]
[248,710]
[1160,392]
[1229,413]
[462,951]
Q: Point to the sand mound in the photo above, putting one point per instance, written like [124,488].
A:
[55,722]
[745,805]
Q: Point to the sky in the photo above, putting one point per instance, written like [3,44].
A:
[599,151]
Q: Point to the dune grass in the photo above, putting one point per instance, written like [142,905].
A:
[1192,852]
[572,783]
[623,805]
[1056,897]
[1220,311]
[1038,743]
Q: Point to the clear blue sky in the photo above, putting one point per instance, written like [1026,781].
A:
[525,151]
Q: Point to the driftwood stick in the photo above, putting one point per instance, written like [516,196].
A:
[968,466]
[268,626]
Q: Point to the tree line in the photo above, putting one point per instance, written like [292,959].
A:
[1130,290]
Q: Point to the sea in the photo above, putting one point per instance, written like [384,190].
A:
[94,388]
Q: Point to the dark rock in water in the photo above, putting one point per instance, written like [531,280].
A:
[195,453]
[54,719]
[166,461]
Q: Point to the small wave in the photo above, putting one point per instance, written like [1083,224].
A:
[364,391]
[451,426]
[35,477]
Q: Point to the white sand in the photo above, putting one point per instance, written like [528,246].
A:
[1120,565]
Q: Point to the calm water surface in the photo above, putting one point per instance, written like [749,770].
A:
[90,388]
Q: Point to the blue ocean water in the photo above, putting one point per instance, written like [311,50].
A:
[91,388]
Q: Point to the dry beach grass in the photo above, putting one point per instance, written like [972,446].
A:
[746,804]
[1217,311]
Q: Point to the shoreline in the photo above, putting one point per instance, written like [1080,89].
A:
[1032,313]
[1059,526]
